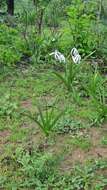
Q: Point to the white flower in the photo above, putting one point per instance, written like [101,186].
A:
[75,56]
[58,56]
[53,40]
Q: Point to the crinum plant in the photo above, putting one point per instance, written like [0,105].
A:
[97,91]
[69,76]
[46,118]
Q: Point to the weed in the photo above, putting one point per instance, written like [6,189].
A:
[34,171]
[104,141]
[8,108]
[69,126]
[81,142]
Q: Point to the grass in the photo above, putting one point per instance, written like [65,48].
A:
[104,140]
[70,152]
[21,139]
[81,142]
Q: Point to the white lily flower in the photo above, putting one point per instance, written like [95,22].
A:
[75,56]
[58,56]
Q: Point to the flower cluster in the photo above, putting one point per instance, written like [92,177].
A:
[75,56]
[58,56]
[61,58]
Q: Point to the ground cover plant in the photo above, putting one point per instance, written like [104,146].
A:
[53,95]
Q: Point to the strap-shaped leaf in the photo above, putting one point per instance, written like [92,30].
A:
[56,119]
[61,78]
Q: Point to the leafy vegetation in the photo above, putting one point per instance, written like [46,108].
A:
[53,109]
[47,120]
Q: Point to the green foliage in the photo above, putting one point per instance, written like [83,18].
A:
[34,171]
[28,17]
[8,56]
[96,90]
[8,108]
[40,48]
[94,84]
[12,47]
[83,177]
[2,3]
[71,72]
[104,141]
[40,171]
[42,3]
[79,30]
[36,168]
[81,142]
[47,119]
[53,14]
[68,126]
[38,28]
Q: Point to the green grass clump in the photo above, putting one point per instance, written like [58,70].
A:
[81,142]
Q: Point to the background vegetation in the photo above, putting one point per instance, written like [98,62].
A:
[53,115]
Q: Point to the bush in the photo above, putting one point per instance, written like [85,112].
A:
[79,32]
[12,46]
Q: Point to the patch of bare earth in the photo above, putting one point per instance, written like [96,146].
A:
[79,156]
[96,151]
[3,136]
[4,139]
[75,156]
[59,144]
[95,135]
[27,104]
[71,155]
[46,98]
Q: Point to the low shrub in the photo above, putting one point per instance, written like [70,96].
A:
[12,46]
